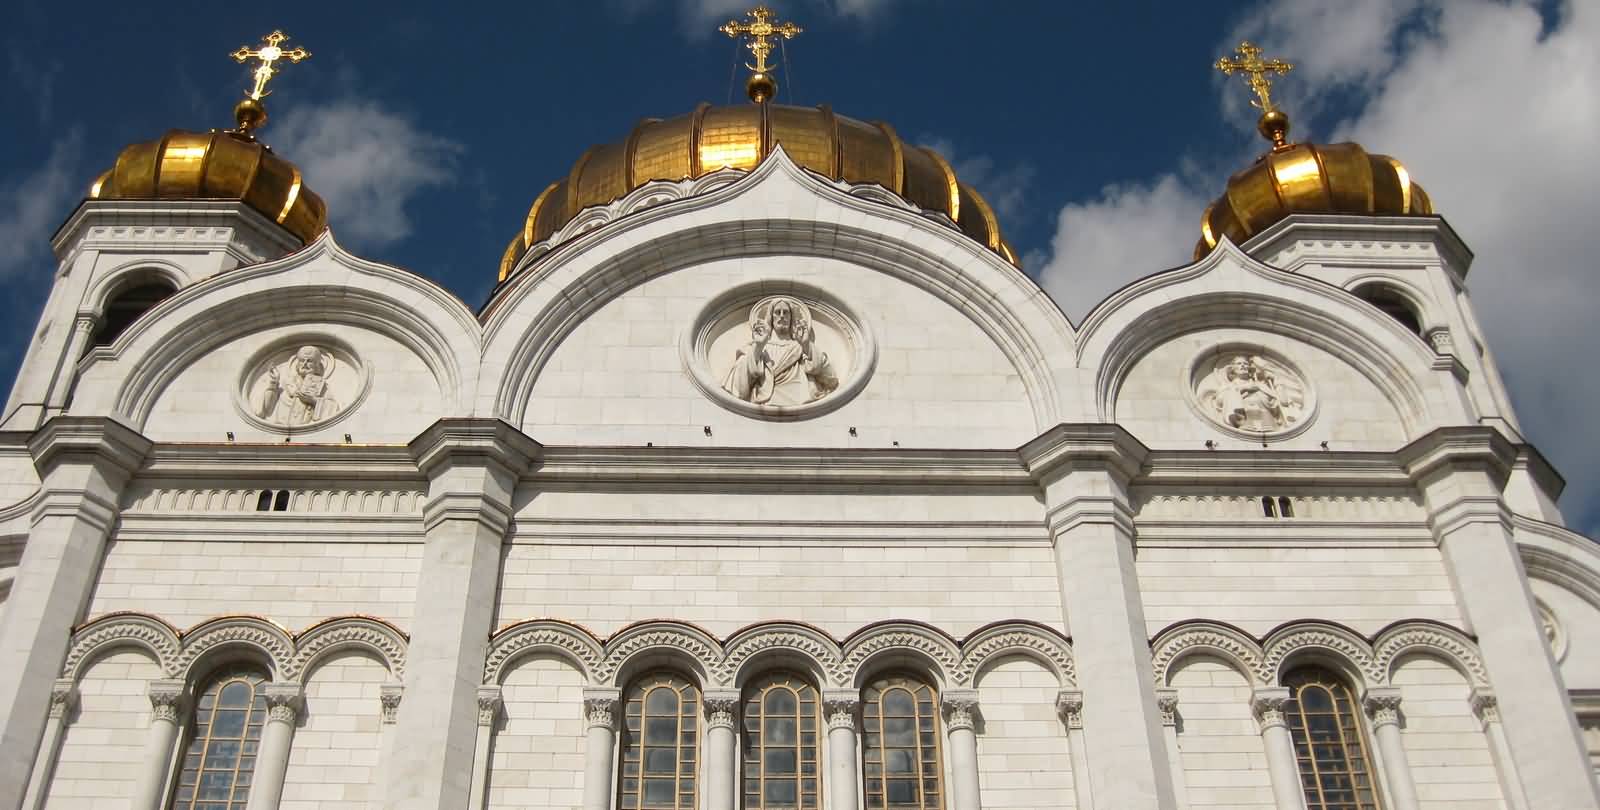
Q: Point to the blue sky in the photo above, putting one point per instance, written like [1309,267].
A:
[1098,130]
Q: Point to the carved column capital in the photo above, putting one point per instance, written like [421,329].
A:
[600,706]
[1485,705]
[284,700]
[840,707]
[489,703]
[1382,704]
[168,700]
[960,709]
[1167,702]
[63,696]
[722,708]
[1069,705]
[1267,703]
[389,695]
[1439,338]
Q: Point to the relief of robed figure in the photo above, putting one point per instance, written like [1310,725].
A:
[296,391]
[781,364]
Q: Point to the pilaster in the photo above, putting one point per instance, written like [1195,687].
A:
[84,463]
[722,717]
[284,703]
[1267,704]
[63,700]
[600,718]
[472,466]
[1084,472]
[1167,704]
[1461,473]
[1382,704]
[1069,706]
[1487,709]
[839,708]
[960,725]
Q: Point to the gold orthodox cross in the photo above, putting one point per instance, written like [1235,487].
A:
[269,53]
[760,29]
[1256,68]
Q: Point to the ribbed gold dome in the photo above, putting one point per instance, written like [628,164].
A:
[216,166]
[711,138]
[1339,178]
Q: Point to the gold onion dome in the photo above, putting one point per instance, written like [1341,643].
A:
[711,138]
[1296,178]
[229,165]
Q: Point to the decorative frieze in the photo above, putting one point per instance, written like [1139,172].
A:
[191,500]
[1234,506]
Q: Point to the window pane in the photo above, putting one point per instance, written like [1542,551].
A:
[901,763]
[780,701]
[659,744]
[661,731]
[899,731]
[781,793]
[780,731]
[780,761]
[658,792]
[902,791]
[1328,742]
[220,753]
[899,702]
[661,701]
[661,761]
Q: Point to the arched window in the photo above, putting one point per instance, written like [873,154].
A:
[660,736]
[1392,303]
[780,744]
[221,755]
[1328,742]
[126,307]
[900,755]
[1267,507]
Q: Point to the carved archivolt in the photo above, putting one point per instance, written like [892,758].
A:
[1262,661]
[726,663]
[288,656]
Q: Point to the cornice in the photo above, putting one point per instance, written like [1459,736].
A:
[96,440]
[685,465]
[1461,446]
[452,441]
[1068,447]
[174,225]
[1343,230]
[302,462]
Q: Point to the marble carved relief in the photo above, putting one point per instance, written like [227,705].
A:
[1251,392]
[782,364]
[302,384]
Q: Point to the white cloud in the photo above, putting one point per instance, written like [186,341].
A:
[34,205]
[1495,115]
[368,164]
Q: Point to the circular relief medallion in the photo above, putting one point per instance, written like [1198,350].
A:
[778,350]
[1251,392]
[301,383]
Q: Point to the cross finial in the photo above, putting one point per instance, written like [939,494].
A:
[761,30]
[250,113]
[1274,124]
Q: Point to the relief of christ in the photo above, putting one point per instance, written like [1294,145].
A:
[781,364]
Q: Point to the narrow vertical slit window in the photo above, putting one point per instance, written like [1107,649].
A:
[220,757]
[660,743]
[1329,744]
[1286,507]
[1268,509]
[900,750]
[264,502]
[281,502]
[780,744]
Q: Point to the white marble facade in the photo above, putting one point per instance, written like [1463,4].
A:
[859,444]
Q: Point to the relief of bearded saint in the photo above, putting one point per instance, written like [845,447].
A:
[1254,394]
[781,364]
[297,389]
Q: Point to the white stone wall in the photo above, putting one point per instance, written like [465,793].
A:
[103,750]
[725,586]
[293,583]
[1219,743]
[1578,634]
[939,382]
[1447,750]
[199,404]
[538,755]
[1154,405]
[335,760]
[1023,760]
[1259,588]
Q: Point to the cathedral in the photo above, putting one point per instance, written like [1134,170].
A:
[767,479]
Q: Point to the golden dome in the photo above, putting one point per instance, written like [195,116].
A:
[1339,178]
[711,138]
[216,166]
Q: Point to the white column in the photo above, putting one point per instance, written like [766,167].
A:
[489,706]
[284,701]
[599,714]
[1084,472]
[62,700]
[83,463]
[389,705]
[168,709]
[960,717]
[473,467]
[1167,703]
[1461,473]
[1069,704]
[1383,708]
[1267,704]
[840,708]
[722,715]
[1487,710]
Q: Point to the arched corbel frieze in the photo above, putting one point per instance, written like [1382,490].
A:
[373,636]
[114,630]
[1229,644]
[543,635]
[749,648]
[682,642]
[1427,638]
[1016,638]
[871,644]
[256,636]
[1330,642]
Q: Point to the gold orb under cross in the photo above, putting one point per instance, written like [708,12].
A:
[760,29]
